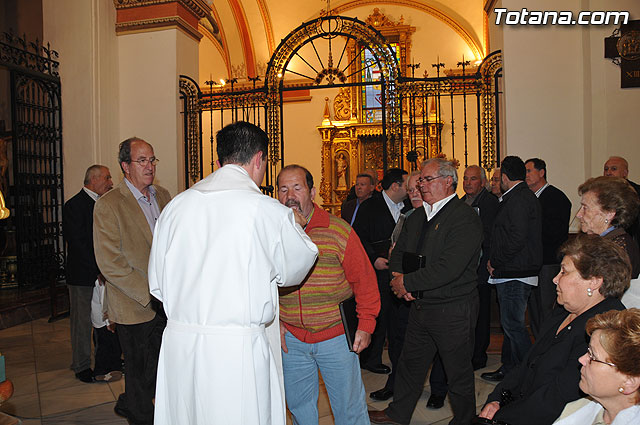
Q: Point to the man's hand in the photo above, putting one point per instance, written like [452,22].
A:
[111,327]
[489,268]
[101,279]
[381,264]
[489,410]
[397,285]
[409,297]
[362,341]
[283,343]
[300,219]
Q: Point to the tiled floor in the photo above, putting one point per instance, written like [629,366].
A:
[38,355]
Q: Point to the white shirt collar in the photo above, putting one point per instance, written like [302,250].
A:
[432,210]
[394,208]
[539,191]
[136,193]
[91,193]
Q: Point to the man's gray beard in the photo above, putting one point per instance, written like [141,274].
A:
[293,203]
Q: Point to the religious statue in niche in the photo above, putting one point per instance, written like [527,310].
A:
[342,168]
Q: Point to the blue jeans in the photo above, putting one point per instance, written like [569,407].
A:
[340,371]
[512,297]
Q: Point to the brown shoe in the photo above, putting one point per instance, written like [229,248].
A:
[380,417]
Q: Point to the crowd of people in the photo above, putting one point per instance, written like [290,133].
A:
[223,305]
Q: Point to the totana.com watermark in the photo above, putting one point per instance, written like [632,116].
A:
[563,17]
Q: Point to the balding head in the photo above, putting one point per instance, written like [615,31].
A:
[616,166]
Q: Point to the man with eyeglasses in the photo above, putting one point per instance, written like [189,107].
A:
[486,204]
[123,225]
[434,267]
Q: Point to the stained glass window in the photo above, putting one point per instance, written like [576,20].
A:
[372,94]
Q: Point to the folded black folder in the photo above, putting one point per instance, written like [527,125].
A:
[349,319]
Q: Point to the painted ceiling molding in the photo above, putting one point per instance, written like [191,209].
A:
[200,8]
[471,41]
[268,26]
[142,15]
[245,38]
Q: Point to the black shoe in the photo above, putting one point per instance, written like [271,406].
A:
[382,394]
[85,376]
[496,376]
[379,368]
[435,401]
[121,411]
[121,407]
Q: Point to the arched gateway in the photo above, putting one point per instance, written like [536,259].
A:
[319,54]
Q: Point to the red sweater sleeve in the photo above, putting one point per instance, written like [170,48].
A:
[362,277]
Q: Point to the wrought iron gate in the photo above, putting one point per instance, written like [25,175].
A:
[35,193]
[407,127]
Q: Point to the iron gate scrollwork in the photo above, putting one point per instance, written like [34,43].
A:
[405,100]
[36,184]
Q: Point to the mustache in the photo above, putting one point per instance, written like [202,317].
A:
[293,203]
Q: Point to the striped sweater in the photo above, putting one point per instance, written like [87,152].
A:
[311,311]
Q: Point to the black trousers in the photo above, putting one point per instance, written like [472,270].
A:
[449,330]
[141,347]
[372,355]
[438,378]
[108,351]
[399,317]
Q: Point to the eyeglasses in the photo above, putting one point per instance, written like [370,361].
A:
[592,358]
[144,161]
[428,179]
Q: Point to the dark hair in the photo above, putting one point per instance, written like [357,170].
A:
[614,194]
[238,142]
[124,150]
[393,175]
[513,168]
[538,164]
[369,176]
[620,338]
[595,256]
[307,175]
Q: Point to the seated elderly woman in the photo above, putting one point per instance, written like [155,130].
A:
[609,205]
[610,372]
[593,276]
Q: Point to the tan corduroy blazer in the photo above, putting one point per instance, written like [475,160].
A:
[122,241]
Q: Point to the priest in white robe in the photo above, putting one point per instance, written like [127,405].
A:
[220,250]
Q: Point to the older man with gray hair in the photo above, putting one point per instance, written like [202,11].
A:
[434,266]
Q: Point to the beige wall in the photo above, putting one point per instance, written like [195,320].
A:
[563,98]
[88,73]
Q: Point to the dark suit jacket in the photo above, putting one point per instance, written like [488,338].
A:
[556,213]
[374,225]
[516,238]
[451,247]
[77,228]
[347,209]
[487,204]
[548,377]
